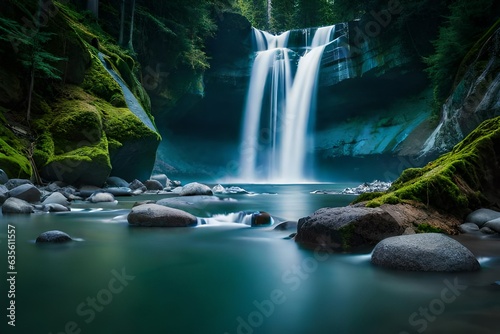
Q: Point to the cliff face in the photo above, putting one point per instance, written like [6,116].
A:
[475,98]
[87,125]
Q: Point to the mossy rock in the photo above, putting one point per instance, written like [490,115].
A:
[464,179]
[13,160]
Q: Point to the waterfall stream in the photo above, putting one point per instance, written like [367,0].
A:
[281,101]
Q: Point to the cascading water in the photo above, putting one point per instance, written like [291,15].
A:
[280,101]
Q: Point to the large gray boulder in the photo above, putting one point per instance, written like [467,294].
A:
[16,205]
[481,216]
[154,215]
[348,227]
[27,192]
[54,236]
[195,188]
[424,252]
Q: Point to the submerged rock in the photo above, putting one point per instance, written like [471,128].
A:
[27,192]
[286,226]
[54,236]
[154,215]
[262,218]
[17,206]
[55,207]
[195,188]
[424,252]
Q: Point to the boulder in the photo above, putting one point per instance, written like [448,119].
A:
[424,252]
[115,181]
[12,183]
[3,177]
[56,198]
[27,192]
[101,197]
[494,225]
[16,205]
[54,236]
[347,227]
[55,207]
[162,178]
[153,185]
[195,188]
[481,216]
[4,193]
[155,215]
[487,230]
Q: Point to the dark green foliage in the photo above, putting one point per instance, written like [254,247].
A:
[367,197]
[467,22]
[426,228]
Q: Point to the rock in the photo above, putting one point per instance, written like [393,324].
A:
[3,177]
[115,181]
[57,198]
[219,189]
[155,215]
[424,252]
[137,185]
[16,205]
[481,216]
[286,226]
[54,236]
[153,185]
[162,178]
[119,191]
[175,183]
[55,186]
[197,205]
[487,230]
[347,227]
[55,207]
[101,197]
[494,225]
[195,188]
[177,190]
[4,193]
[148,201]
[87,191]
[468,228]
[27,192]
[12,183]
[262,218]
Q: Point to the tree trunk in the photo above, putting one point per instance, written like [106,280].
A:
[122,22]
[30,93]
[93,6]
[130,41]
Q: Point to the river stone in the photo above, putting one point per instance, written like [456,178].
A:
[27,192]
[424,252]
[57,198]
[194,189]
[153,185]
[16,205]
[155,215]
[494,225]
[101,197]
[55,207]
[115,181]
[348,227]
[487,230]
[468,228]
[54,236]
[12,183]
[162,178]
[137,185]
[261,218]
[3,177]
[119,191]
[481,216]
[87,191]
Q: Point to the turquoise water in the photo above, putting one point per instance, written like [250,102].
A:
[228,278]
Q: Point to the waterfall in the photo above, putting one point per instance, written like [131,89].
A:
[280,102]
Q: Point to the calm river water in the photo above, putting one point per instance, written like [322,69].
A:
[228,278]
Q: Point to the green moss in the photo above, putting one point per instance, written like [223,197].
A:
[99,83]
[367,196]
[458,181]
[96,153]
[346,234]
[426,228]
[15,164]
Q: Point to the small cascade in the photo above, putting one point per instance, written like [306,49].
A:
[280,102]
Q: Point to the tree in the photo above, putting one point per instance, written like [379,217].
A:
[93,6]
[130,41]
[122,21]
[283,14]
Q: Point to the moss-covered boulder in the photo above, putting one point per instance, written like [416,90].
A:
[13,150]
[462,180]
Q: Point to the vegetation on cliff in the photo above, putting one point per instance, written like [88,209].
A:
[462,180]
